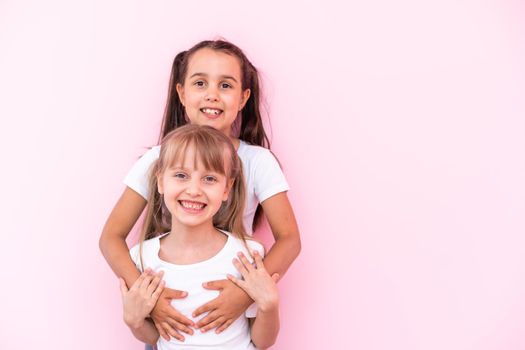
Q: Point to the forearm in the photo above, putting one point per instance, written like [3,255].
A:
[116,253]
[282,254]
[265,328]
[145,332]
[113,238]
[287,246]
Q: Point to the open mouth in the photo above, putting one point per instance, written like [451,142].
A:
[213,112]
[192,206]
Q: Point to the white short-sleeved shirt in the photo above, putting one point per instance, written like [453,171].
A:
[263,175]
[189,278]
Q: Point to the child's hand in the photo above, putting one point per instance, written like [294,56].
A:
[140,299]
[257,282]
[222,311]
[167,319]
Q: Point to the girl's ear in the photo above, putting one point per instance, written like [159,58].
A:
[227,190]
[180,92]
[245,97]
[160,188]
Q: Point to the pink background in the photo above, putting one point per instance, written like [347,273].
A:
[400,125]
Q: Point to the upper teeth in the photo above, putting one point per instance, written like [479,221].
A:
[192,205]
[211,111]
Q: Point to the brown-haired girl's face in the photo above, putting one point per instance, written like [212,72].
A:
[212,93]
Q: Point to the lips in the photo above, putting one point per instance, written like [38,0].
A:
[192,206]
[211,112]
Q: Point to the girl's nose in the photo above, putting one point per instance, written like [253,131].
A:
[193,188]
[212,95]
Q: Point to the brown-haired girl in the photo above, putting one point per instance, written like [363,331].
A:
[213,84]
[199,178]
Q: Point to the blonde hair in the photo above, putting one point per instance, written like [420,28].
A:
[215,152]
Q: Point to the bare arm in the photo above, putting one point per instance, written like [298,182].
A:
[265,327]
[145,332]
[112,241]
[261,287]
[138,302]
[287,246]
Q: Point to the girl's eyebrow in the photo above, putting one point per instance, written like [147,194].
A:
[228,77]
[177,167]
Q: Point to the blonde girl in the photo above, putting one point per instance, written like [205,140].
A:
[192,234]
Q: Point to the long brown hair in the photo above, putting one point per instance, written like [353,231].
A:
[210,146]
[251,129]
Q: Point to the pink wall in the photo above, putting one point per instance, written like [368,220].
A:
[400,124]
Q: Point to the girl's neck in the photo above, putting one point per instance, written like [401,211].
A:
[235,141]
[189,236]
[190,245]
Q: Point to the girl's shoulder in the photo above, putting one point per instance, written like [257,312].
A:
[150,247]
[249,150]
[255,155]
[238,244]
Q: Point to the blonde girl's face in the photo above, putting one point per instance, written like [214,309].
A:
[192,194]
[212,93]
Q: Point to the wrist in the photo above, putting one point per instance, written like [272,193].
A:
[133,323]
[268,306]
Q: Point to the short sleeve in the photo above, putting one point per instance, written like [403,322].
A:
[269,177]
[138,177]
[134,254]
[251,311]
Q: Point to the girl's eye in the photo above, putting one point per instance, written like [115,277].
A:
[225,86]
[180,176]
[199,83]
[210,179]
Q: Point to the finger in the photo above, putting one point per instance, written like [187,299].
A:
[162,331]
[138,282]
[146,280]
[210,317]
[275,277]
[240,267]
[224,326]
[174,293]
[218,322]
[179,326]
[172,332]
[156,294]
[179,318]
[209,306]
[245,261]
[155,282]
[171,313]
[123,287]
[215,285]
[258,260]
[235,280]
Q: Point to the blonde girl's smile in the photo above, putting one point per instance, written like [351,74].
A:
[192,207]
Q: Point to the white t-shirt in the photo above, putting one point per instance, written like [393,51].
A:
[263,175]
[189,278]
